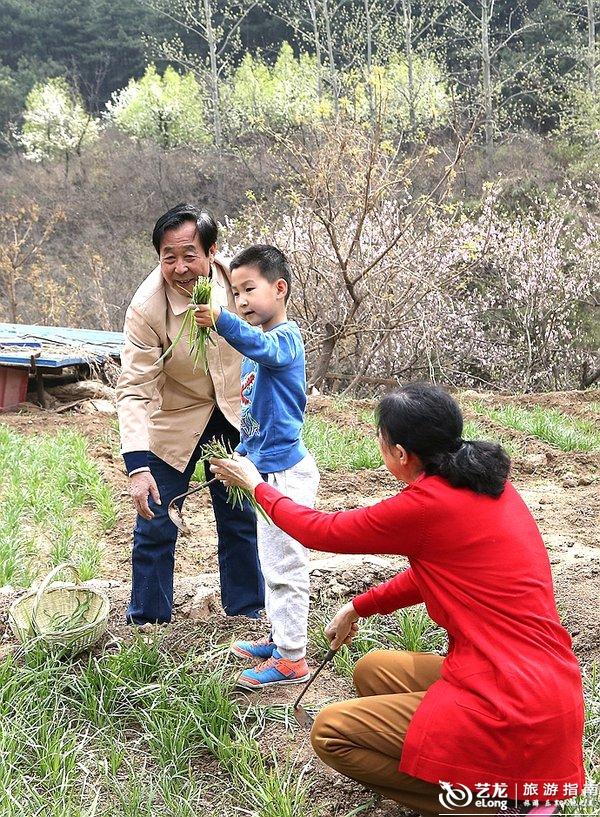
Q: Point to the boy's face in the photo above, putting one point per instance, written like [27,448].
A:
[259,302]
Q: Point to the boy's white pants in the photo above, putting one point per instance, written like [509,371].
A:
[284,563]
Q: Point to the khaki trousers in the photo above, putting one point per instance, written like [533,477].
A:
[363,738]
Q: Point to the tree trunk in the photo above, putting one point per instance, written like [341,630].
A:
[591,46]
[332,70]
[312,9]
[487,77]
[588,376]
[408,50]
[370,64]
[10,279]
[325,357]
[214,75]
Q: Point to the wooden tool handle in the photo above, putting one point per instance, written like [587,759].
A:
[328,657]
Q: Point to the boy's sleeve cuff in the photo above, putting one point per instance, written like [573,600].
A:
[135,459]
[225,322]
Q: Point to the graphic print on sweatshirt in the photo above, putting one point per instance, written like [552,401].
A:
[249,427]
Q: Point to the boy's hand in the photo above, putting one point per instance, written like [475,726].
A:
[205,314]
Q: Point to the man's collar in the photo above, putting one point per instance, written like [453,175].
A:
[178,301]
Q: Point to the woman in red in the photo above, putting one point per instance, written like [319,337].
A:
[501,716]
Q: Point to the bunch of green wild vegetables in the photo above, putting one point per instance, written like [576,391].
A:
[199,336]
[216,449]
[62,622]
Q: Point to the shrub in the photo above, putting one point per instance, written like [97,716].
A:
[168,109]
[274,97]
[55,122]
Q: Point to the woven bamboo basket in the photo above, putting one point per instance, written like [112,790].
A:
[63,617]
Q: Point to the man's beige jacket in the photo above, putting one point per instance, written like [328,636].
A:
[164,407]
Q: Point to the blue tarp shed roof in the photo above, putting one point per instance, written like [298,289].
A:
[56,346]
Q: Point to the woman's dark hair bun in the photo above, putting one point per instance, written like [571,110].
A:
[428,422]
[479,465]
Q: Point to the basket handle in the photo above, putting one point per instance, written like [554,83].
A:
[44,584]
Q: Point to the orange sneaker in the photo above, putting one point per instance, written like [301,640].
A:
[259,650]
[275,671]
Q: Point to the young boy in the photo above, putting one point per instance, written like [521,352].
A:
[273,400]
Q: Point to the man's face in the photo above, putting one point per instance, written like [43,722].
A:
[182,259]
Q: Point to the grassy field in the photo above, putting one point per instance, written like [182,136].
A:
[142,732]
[132,732]
[337,448]
[55,505]
[409,629]
[550,425]
[129,734]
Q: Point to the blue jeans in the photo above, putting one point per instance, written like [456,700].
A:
[153,557]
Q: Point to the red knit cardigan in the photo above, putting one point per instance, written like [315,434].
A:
[508,708]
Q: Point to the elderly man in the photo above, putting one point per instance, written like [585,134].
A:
[167,411]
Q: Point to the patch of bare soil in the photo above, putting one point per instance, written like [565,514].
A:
[349,414]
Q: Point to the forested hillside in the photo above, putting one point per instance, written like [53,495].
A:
[431,167]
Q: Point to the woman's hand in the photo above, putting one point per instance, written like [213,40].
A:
[205,314]
[236,471]
[343,627]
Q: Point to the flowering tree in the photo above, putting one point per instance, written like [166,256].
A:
[167,109]
[404,96]
[364,246]
[370,54]
[394,284]
[55,122]
[214,25]
[528,298]
[514,315]
[277,97]
[259,96]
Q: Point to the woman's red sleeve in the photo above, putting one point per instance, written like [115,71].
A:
[394,525]
[401,591]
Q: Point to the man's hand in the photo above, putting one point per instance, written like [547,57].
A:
[205,314]
[343,627]
[140,486]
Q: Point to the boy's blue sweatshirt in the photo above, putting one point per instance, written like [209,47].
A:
[273,390]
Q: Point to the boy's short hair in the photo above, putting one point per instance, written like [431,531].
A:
[270,262]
